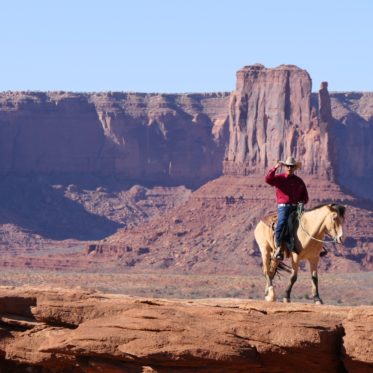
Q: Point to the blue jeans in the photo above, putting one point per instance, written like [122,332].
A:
[283,213]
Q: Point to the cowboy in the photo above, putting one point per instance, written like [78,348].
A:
[290,190]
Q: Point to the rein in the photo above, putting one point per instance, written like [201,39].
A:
[300,213]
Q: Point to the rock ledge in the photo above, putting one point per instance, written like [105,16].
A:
[59,330]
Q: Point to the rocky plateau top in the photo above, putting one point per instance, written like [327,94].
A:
[59,330]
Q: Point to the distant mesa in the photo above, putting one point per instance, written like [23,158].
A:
[68,162]
[152,137]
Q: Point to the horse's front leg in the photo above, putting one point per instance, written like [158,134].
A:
[293,277]
[315,281]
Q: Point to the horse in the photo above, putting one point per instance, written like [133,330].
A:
[309,234]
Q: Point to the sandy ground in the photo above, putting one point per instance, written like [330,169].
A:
[349,289]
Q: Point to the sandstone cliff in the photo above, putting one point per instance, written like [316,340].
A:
[271,118]
[352,133]
[167,139]
[191,138]
[273,114]
[156,138]
[60,330]
[208,235]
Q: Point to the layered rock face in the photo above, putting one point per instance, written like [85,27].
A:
[183,139]
[62,330]
[162,139]
[271,118]
[273,115]
[178,139]
[352,134]
[210,234]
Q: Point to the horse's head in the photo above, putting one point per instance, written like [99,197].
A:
[334,221]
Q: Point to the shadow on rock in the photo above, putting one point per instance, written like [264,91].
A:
[35,205]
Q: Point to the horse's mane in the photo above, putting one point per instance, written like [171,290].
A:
[339,209]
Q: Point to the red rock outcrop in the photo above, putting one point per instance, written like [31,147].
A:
[325,108]
[181,139]
[352,145]
[273,115]
[171,139]
[271,118]
[60,330]
[163,139]
[207,234]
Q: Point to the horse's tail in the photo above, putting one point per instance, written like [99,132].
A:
[277,268]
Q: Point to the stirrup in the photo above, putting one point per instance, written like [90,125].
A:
[278,254]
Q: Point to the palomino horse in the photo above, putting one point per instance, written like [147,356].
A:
[309,234]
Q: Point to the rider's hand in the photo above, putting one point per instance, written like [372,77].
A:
[278,164]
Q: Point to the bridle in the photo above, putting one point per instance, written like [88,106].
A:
[299,215]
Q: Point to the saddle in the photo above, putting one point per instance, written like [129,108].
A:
[270,220]
[287,235]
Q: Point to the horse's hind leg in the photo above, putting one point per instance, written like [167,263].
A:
[262,235]
[315,281]
[293,279]
[269,272]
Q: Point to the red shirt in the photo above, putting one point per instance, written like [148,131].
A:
[289,188]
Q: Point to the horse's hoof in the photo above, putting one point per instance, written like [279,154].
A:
[270,296]
[318,301]
[286,300]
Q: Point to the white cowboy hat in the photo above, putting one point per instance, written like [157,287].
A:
[290,161]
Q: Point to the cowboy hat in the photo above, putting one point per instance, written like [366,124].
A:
[290,161]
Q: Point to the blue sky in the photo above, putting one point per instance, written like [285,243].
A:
[180,46]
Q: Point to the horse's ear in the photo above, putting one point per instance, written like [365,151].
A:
[332,208]
[339,209]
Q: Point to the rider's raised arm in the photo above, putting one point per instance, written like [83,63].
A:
[270,178]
